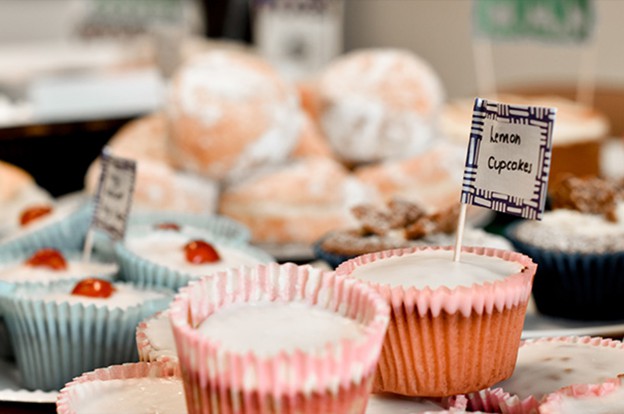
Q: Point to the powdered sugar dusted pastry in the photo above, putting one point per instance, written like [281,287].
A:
[230,113]
[298,202]
[311,141]
[159,186]
[431,180]
[378,104]
[578,132]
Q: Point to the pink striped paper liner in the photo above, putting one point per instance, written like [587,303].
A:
[422,355]
[335,379]
[496,400]
[75,390]
[552,403]
[147,352]
[512,404]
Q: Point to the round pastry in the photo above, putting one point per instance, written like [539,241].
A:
[311,142]
[579,248]
[296,203]
[155,340]
[229,113]
[158,185]
[432,180]
[481,299]
[17,192]
[87,325]
[172,258]
[605,398]
[378,104]
[320,356]
[546,365]
[578,133]
[128,388]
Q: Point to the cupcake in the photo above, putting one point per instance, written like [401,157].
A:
[274,336]
[60,225]
[171,258]
[65,328]
[46,265]
[546,365]
[402,224]
[605,398]
[155,340]
[218,227]
[454,326]
[579,249]
[127,388]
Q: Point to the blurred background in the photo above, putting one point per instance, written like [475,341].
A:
[75,71]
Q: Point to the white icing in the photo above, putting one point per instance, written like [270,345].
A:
[124,297]
[543,368]
[435,269]
[133,395]
[396,404]
[610,403]
[20,272]
[572,231]
[160,335]
[267,328]
[167,249]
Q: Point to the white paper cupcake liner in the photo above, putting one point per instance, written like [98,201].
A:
[148,352]
[143,272]
[89,384]
[55,342]
[336,379]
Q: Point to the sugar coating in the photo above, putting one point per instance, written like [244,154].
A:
[545,367]
[610,403]
[133,395]
[572,231]
[160,335]
[435,269]
[267,328]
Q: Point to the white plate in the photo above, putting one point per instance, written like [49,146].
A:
[537,325]
[11,391]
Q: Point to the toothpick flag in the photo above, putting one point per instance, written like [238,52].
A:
[508,160]
[550,20]
[113,198]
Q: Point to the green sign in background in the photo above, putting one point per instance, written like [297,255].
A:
[551,20]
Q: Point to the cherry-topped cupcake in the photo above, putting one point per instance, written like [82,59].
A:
[65,328]
[170,258]
[48,264]
[59,224]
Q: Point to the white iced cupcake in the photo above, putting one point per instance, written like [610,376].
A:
[128,388]
[65,328]
[173,258]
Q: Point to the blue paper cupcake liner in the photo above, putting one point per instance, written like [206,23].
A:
[142,272]
[67,233]
[573,285]
[219,227]
[55,342]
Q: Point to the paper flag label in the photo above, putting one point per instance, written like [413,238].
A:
[551,20]
[509,158]
[114,195]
